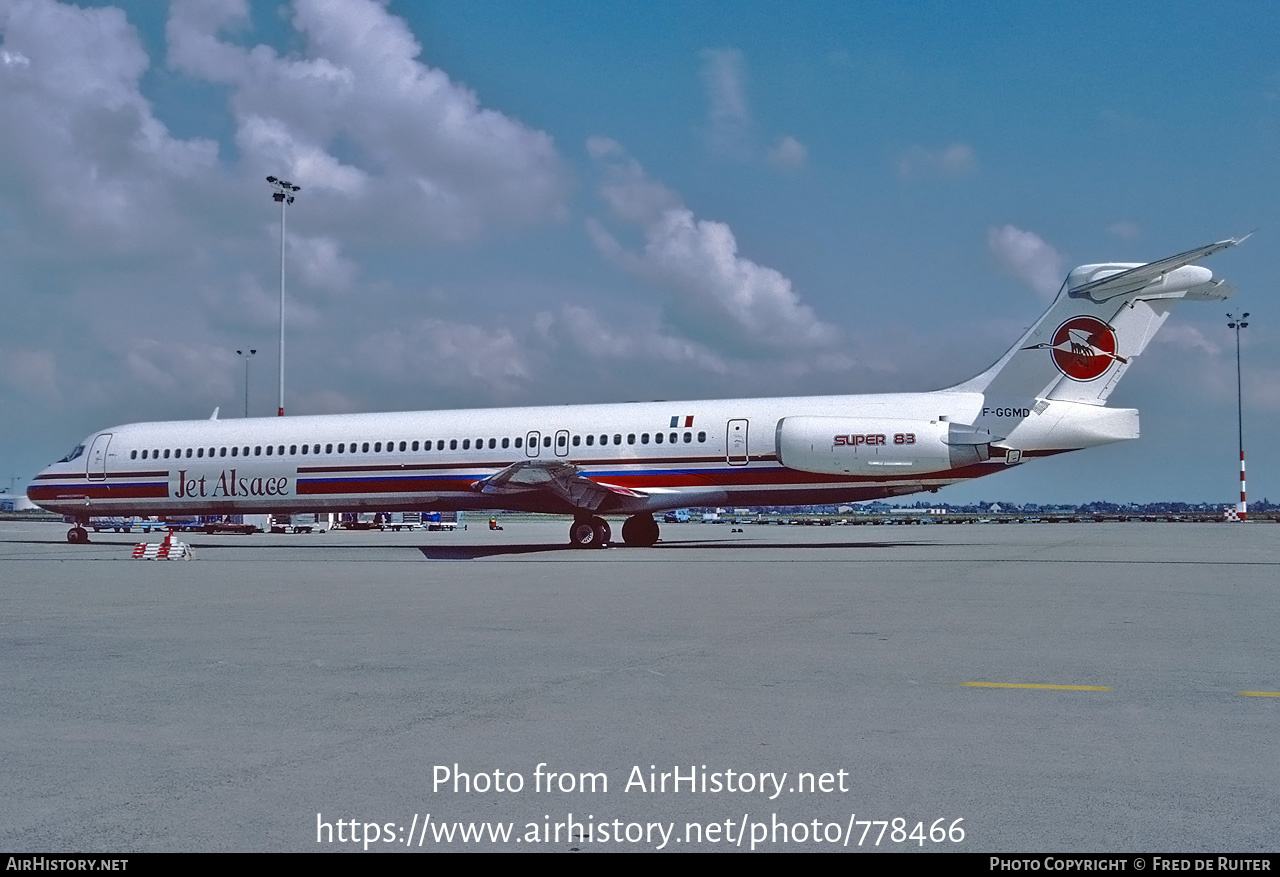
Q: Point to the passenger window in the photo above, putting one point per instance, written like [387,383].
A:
[519,441]
[657,437]
[591,440]
[222,452]
[702,437]
[688,437]
[364,448]
[328,449]
[631,438]
[199,452]
[506,442]
[493,443]
[415,445]
[644,438]
[453,444]
[617,439]
[233,452]
[546,442]
[673,438]
[577,440]
[133,455]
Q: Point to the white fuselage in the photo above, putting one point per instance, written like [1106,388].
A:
[720,452]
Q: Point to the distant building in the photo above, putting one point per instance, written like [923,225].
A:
[15,502]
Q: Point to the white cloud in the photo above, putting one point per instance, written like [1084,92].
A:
[628,192]
[585,331]
[1187,338]
[33,372]
[85,155]
[171,367]
[418,150]
[1028,258]
[1125,230]
[789,154]
[319,263]
[715,292]
[729,124]
[448,354]
[956,160]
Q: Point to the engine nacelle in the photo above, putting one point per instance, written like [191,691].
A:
[878,445]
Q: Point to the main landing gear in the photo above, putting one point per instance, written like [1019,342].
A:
[640,530]
[590,533]
[594,532]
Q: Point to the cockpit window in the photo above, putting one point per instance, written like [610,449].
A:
[71,456]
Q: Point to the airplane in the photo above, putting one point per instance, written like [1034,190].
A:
[1045,396]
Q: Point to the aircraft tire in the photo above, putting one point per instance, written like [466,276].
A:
[640,531]
[78,536]
[589,533]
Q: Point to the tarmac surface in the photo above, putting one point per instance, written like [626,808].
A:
[277,688]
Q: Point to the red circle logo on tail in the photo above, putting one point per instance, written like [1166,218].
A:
[1083,348]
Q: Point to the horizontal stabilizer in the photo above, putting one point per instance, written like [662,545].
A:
[1149,277]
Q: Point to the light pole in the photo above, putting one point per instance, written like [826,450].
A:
[284,194]
[246,356]
[1239,323]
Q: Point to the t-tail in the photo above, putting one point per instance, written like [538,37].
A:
[1049,391]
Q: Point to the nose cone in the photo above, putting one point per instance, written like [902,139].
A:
[42,491]
[34,489]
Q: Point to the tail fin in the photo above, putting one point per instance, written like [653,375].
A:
[1101,319]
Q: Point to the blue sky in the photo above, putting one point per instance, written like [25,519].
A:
[528,203]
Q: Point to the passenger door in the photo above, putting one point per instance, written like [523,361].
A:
[96,459]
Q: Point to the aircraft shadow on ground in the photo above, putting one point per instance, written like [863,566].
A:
[476,552]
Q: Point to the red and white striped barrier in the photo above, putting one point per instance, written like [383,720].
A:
[169,549]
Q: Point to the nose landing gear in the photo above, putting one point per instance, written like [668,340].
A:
[78,535]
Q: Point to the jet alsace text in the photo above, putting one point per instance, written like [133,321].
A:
[227,484]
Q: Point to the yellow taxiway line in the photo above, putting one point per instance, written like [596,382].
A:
[1036,685]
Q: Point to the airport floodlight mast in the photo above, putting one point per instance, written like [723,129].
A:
[245,355]
[284,194]
[1239,323]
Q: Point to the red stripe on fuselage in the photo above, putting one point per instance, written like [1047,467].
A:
[97,491]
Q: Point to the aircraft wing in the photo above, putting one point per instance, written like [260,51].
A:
[559,479]
[1135,279]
